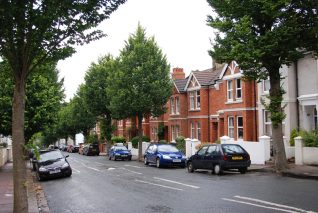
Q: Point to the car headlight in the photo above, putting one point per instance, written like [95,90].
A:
[42,169]
[166,157]
[65,165]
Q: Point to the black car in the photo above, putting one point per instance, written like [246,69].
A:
[75,149]
[220,157]
[91,149]
[52,163]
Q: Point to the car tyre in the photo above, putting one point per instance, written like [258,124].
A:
[190,167]
[146,161]
[109,158]
[217,169]
[243,170]
[158,163]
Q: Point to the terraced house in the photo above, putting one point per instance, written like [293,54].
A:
[206,105]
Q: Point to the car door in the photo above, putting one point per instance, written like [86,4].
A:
[154,152]
[148,153]
[210,157]
[198,158]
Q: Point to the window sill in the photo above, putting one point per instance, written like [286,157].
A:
[194,110]
[234,102]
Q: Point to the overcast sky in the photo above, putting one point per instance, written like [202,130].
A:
[179,28]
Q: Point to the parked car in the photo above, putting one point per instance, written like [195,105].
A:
[62,147]
[119,152]
[52,163]
[164,155]
[91,149]
[220,157]
[75,148]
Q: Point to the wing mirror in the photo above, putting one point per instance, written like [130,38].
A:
[66,156]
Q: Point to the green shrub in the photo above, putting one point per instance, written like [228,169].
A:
[310,138]
[134,141]
[180,143]
[161,131]
[92,139]
[4,145]
[118,139]
[293,134]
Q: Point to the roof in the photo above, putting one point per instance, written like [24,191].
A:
[180,84]
[207,77]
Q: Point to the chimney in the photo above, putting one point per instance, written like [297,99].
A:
[177,73]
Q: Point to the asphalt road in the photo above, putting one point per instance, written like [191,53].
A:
[99,185]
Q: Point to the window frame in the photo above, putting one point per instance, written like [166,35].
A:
[238,127]
[199,131]
[172,105]
[232,128]
[192,130]
[229,85]
[191,100]
[265,84]
[173,133]
[177,102]
[197,99]
[238,89]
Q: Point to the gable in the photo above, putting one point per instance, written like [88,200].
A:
[192,83]
[232,71]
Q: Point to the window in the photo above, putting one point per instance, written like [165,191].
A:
[199,131]
[267,123]
[192,131]
[172,105]
[120,122]
[238,89]
[231,127]
[202,151]
[177,106]
[240,131]
[198,104]
[266,85]
[211,150]
[177,131]
[230,90]
[191,100]
[173,133]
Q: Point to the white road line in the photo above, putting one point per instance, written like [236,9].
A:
[168,187]
[134,166]
[270,203]
[138,173]
[183,184]
[78,171]
[99,163]
[93,169]
[261,206]
[110,168]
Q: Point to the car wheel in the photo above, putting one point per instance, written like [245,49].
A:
[217,169]
[243,170]
[146,161]
[129,158]
[158,163]
[190,167]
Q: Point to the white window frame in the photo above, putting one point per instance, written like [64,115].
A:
[173,135]
[238,89]
[266,85]
[230,129]
[177,106]
[191,97]
[177,127]
[229,90]
[199,131]
[197,100]
[172,106]
[267,123]
[239,127]
[192,130]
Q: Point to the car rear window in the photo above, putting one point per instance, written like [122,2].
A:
[232,149]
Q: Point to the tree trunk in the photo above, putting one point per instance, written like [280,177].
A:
[276,97]
[140,137]
[19,165]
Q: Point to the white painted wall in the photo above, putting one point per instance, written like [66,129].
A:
[5,155]
[305,155]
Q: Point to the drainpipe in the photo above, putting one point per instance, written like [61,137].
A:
[209,114]
[255,111]
[297,93]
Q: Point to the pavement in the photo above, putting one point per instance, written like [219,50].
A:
[38,203]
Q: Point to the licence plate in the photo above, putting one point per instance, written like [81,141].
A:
[124,155]
[237,158]
[55,171]
[176,160]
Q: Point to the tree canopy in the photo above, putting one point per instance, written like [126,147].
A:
[141,84]
[262,36]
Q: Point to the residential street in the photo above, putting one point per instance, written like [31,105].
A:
[99,185]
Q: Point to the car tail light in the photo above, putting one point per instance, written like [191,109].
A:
[225,157]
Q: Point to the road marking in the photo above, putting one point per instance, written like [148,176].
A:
[93,168]
[78,171]
[100,163]
[168,187]
[138,173]
[261,206]
[110,168]
[270,203]
[171,181]
[134,166]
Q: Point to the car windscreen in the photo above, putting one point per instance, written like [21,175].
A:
[167,148]
[50,156]
[120,148]
[232,149]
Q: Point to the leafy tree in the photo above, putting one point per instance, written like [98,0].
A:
[141,85]
[97,99]
[33,32]
[43,99]
[262,36]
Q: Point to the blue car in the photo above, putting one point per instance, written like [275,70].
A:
[119,152]
[164,155]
